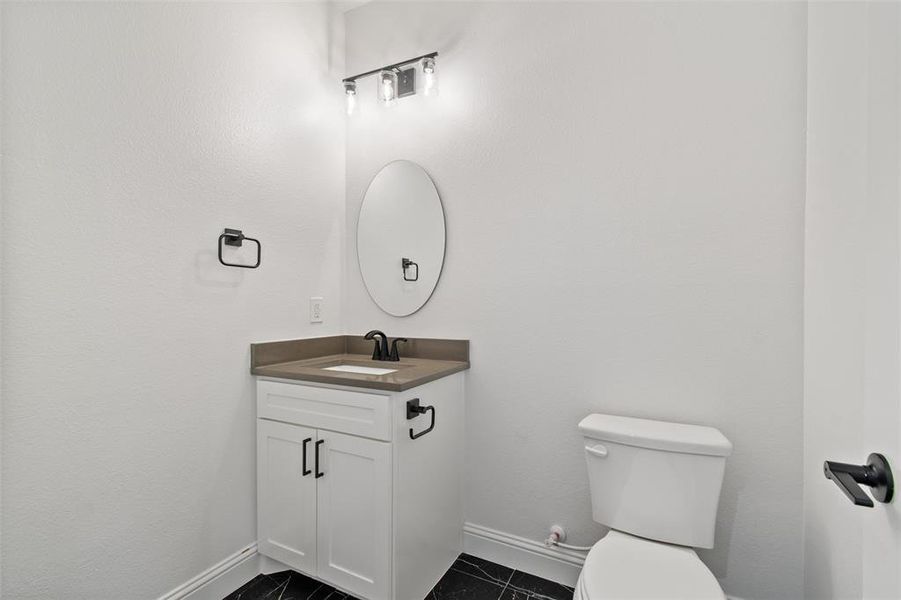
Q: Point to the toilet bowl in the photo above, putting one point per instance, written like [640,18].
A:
[656,485]
[624,567]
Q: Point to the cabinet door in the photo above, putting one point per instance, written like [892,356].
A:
[355,544]
[286,498]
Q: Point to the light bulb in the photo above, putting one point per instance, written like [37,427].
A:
[429,76]
[350,96]
[387,88]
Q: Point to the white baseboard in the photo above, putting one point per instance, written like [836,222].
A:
[221,579]
[529,556]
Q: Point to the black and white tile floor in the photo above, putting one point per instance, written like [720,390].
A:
[469,578]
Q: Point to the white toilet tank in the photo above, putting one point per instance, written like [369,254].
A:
[654,479]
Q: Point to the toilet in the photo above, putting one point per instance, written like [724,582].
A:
[656,485]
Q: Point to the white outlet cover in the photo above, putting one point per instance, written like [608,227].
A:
[316,306]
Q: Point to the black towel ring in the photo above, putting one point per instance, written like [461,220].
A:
[235,237]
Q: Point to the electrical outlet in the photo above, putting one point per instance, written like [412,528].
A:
[316,304]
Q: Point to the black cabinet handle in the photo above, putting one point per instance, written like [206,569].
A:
[318,472]
[413,411]
[876,474]
[306,471]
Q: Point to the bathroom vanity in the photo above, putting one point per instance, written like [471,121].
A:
[359,462]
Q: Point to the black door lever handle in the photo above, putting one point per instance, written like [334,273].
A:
[876,474]
[846,483]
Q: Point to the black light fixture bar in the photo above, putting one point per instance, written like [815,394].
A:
[393,67]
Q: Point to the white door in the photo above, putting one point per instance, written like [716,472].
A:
[852,305]
[354,492]
[881,557]
[286,494]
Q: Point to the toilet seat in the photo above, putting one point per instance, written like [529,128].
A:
[621,566]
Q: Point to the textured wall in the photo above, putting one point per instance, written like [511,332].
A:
[132,134]
[624,188]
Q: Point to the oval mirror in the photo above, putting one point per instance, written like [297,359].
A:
[400,238]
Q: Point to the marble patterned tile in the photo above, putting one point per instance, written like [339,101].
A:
[286,585]
[469,578]
[515,594]
[294,586]
[483,569]
[255,589]
[456,585]
[538,588]
[329,593]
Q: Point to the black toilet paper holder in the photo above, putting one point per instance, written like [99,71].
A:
[413,411]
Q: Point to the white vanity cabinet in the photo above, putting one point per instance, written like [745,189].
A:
[347,497]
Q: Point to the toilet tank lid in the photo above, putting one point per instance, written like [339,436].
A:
[657,435]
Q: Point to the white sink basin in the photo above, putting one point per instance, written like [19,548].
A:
[360,370]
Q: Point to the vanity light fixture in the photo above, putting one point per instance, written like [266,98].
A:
[350,95]
[387,89]
[396,81]
[429,76]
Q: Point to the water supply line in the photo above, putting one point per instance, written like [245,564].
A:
[556,537]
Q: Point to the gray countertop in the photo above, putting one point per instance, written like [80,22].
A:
[422,360]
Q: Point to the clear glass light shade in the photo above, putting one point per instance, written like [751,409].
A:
[350,96]
[429,77]
[387,87]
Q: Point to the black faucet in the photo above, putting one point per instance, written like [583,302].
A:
[380,351]
[394,356]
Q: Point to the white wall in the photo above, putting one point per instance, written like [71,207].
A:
[851,307]
[132,134]
[624,188]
